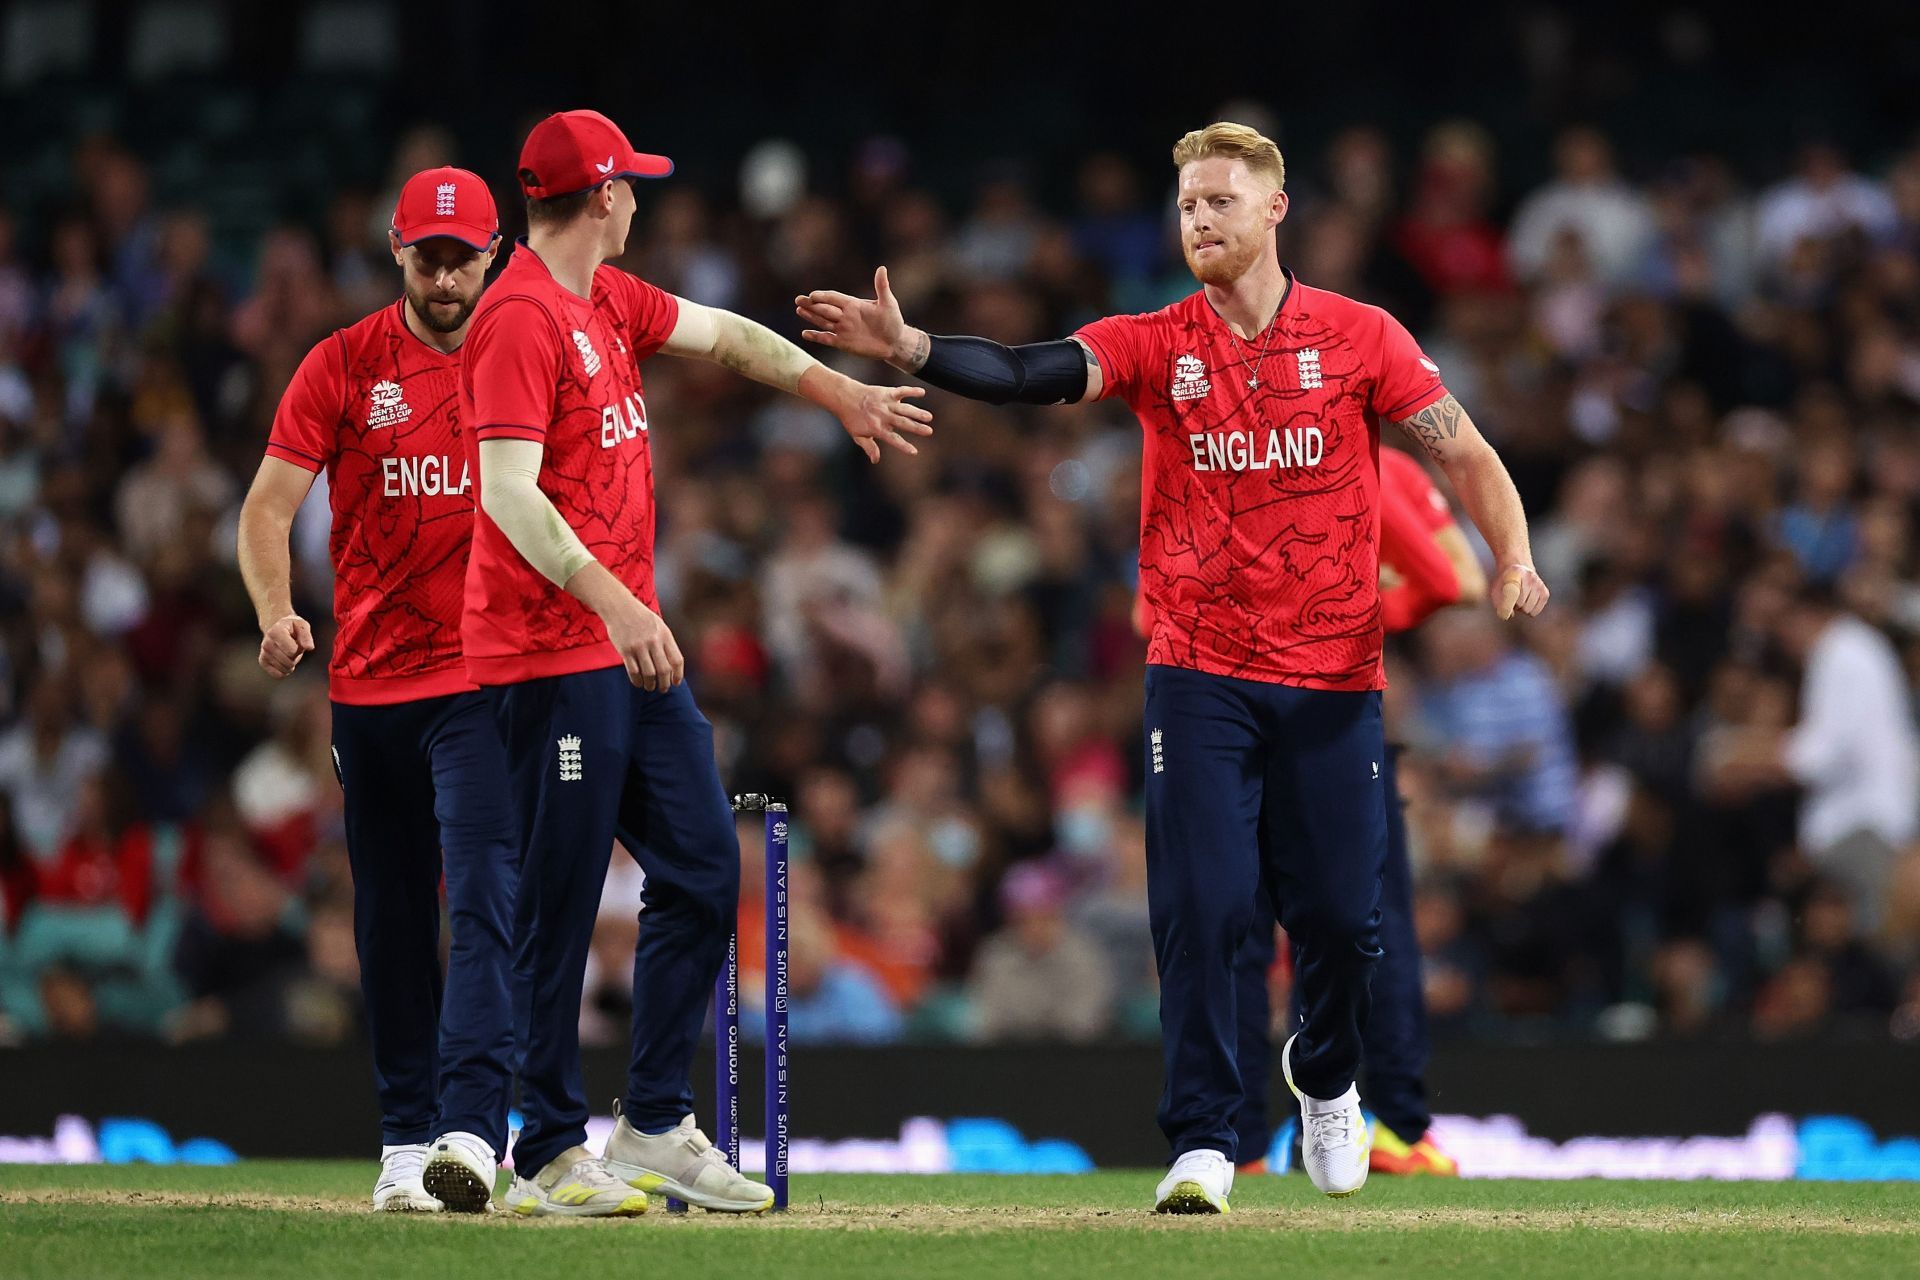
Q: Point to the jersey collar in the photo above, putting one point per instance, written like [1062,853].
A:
[400,321]
[1288,304]
[532,256]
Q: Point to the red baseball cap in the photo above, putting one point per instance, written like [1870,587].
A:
[574,151]
[447,202]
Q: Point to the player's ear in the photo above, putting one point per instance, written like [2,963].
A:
[393,243]
[1278,212]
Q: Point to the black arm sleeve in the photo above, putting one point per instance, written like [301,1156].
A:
[982,369]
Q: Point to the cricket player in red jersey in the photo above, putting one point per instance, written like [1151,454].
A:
[1261,400]
[1426,564]
[376,407]
[603,738]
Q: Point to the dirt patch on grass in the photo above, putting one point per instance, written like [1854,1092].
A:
[930,1219]
[101,1196]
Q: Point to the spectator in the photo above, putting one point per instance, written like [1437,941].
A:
[82,320]
[1446,235]
[157,497]
[1609,223]
[1114,229]
[900,910]
[1039,977]
[45,760]
[998,240]
[1854,748]
[242,949]
[280,790]
[1499,721]
[1110,909]
[1823,199]
[1820,528]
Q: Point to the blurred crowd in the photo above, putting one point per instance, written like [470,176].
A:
[1682,802]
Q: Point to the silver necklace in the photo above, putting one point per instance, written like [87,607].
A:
[1253,380]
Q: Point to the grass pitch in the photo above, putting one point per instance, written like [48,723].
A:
[308,1220]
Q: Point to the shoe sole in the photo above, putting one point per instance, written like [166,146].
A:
[1189,1198]
[659,1184]
[456,1186]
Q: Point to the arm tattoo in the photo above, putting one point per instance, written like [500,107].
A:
[922,348]
[1435,425]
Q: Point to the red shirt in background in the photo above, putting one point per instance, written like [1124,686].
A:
[1412,510]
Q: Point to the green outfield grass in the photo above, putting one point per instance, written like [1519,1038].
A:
[271,1219]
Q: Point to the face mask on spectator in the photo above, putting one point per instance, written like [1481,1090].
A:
[1084,832]
[955,843]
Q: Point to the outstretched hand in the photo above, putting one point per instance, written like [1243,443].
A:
[884,415]
[870,327]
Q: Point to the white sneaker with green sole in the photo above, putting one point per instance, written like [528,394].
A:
[1199,1182]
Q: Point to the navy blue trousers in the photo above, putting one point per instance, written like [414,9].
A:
[422,778]
[1395,1037]
[1251,783]
[594,759]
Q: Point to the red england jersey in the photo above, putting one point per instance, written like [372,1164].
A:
[545,364]
[377,409]
[1259,504]
[1411,512]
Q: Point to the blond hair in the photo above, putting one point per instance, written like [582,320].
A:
[1233,142]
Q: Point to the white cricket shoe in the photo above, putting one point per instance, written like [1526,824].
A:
[1199,1182]
[681,1163]
[1333,1136]
[575,1184]
[398,1188]
[460,1172]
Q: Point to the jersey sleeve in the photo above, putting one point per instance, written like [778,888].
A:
[512,362]
[306,426]
[1119,343]
[650,312]
[1404,380]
